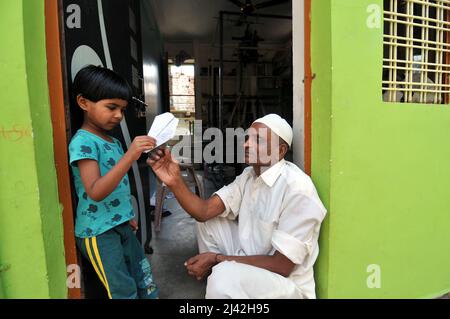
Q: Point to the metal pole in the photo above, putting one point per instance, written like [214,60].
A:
[221,71]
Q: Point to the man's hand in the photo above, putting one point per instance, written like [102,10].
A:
[139,145]
[165,167]
[200,265]
[134,225]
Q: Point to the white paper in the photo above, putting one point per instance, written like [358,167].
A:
[163,128]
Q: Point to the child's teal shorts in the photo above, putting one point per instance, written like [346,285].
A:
[120,263]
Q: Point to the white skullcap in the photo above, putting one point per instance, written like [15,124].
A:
[278,125]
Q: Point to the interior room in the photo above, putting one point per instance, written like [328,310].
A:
[213,65]
[228,63]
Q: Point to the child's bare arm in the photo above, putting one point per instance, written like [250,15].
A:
[98,187]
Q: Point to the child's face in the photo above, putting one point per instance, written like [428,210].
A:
[105,114]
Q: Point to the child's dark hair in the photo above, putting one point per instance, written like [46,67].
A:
[97,83]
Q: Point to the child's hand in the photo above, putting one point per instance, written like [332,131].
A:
[139,145]
[134,224]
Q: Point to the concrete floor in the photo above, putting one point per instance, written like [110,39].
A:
[177,242]
[172,246]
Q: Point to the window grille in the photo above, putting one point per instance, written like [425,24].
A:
[416,55]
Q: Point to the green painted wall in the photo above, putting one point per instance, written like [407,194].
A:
[321,126]
[31,233]
[382,168]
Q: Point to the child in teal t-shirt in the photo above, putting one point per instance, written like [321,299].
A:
[103,226]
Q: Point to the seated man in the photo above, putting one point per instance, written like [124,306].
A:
[259,234]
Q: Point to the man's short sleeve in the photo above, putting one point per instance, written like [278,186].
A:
[298,227]
[231,195]
[82,148]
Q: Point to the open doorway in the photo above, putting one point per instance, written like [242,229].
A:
[229,63]
[228,67]
[182,95]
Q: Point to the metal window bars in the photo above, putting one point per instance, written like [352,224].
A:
[416,59]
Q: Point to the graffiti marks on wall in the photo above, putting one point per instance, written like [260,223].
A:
[15,133]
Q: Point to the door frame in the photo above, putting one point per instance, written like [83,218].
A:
[57,93]
[302,79]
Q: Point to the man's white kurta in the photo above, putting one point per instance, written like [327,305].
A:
[278,211]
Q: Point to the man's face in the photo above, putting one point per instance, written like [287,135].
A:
[262,146]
